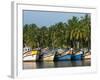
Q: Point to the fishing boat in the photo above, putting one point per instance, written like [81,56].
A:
[87,55]
[48,55]
[48,58]
[63,56]
[77,56]
[31,56]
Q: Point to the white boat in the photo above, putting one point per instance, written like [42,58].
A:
[30,58]
[87,55]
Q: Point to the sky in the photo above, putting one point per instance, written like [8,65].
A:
[44,18]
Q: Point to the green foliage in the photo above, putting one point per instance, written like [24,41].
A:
[74,33]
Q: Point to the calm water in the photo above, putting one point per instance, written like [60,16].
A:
[52,64]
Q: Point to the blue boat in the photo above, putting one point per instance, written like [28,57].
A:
[63,57]
[77,56]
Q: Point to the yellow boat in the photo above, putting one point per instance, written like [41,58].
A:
[31,56]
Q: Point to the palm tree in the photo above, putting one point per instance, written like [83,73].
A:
[85,23]
[72,29]
[74,33]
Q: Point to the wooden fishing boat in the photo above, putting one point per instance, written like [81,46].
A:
[30,56]
[77,56]
[48,58]
[63,56]
[48,55]
[87,55]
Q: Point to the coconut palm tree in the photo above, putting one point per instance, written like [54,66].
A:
[72,29]
[86,24]
[78,31]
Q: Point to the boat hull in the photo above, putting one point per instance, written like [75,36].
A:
[63,58]
[30,58]
[48,58]
[77,57]
[87,57]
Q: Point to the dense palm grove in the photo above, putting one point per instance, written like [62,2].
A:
[76,33]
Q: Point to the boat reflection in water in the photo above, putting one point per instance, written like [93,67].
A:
[55,64]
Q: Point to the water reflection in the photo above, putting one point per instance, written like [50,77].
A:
[52,64]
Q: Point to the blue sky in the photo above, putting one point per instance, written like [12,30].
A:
[43,18]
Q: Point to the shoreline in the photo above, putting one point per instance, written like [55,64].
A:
[55,61]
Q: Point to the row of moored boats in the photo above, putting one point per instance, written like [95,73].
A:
[56,54]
